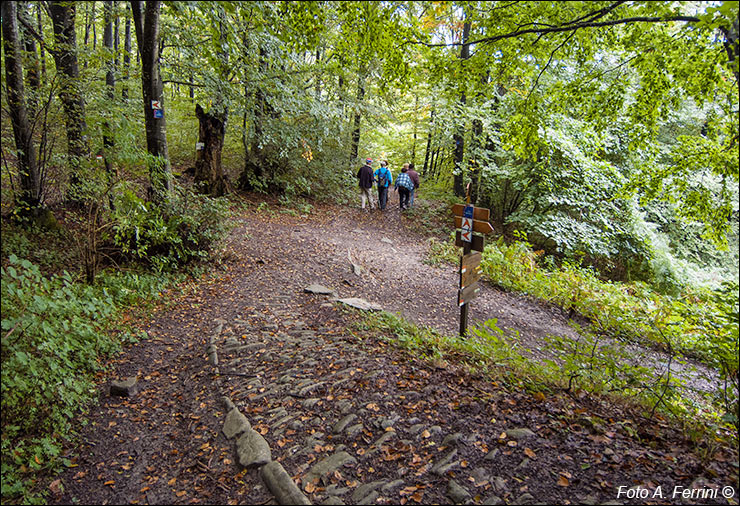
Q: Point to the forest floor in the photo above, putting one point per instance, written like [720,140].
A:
[316,384]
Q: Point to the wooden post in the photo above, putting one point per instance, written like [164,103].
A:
[469,219]
[467,248]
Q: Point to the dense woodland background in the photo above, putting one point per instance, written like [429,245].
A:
[603,136]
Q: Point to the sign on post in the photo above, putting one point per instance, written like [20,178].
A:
[476,244]
[470,220]
[467,294]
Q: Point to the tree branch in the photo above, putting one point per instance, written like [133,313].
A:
[564,28]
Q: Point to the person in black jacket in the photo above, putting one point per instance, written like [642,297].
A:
[365,177]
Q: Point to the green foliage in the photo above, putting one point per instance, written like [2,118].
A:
[181,230]
[698,323]
[46,248]
[54,337]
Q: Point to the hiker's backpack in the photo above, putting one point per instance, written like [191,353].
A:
[382,179]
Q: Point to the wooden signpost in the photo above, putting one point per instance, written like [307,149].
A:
[470,220]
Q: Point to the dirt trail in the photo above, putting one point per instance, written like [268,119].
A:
[390,249]
[352,419]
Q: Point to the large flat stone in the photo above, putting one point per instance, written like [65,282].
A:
[319,290]
[361,304]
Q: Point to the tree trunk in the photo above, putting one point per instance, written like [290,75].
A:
[459,136]
[63,21]
[146,24]
[253,174]
[126,53]
[429,143]
[208,171]
[41,34]
[416,114]
[110,83]
[317,88]
[731,45]
[33,73]
[116,37]
[355,146]
[29,198]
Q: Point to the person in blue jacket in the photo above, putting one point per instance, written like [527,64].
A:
[384,178]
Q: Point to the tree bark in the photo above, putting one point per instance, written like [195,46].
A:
[355,146]
[126,53]
[459,134]
[146,24]
[253,174]
[429,143]
[208,170]
[65,55]
[110,83]
[731,45]
[29,198]
[416,113]
[33,73]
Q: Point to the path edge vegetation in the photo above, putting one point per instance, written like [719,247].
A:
[699,324]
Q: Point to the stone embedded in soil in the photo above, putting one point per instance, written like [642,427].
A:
[451,439]
[329,465]
[492,500]
[319,290]
[333,500]
[253,450]
[525,498]
[363,491]
[235,423]
[390,487]
[344,423]
[457,492]
[281,485]
[521,433]
[361,304]
[445,464]
[126,388]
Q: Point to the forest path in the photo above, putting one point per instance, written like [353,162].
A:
[352,419]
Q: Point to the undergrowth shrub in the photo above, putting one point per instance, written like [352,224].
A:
[171,234]
[54,336]
[700,323]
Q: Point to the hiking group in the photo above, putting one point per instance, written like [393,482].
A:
[405,184]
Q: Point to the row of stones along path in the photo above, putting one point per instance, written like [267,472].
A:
[314,412]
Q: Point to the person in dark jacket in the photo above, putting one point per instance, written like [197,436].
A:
[404,185]
[414,179]
[365,177]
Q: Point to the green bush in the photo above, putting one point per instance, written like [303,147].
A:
[697,323]
[54,336]
[171,234]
